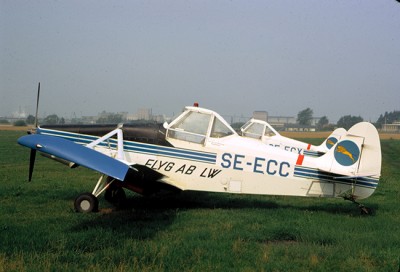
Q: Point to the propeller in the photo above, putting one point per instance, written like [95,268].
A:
[31,163]
[33,151]
[37,106]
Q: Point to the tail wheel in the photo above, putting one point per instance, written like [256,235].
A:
[86,203]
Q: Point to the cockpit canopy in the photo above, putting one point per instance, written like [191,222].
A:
[196,124]
[258,129]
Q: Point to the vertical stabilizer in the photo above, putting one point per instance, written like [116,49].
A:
[356,158]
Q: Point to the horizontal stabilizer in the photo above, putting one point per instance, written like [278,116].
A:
[81,155]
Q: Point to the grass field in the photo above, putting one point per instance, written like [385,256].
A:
[39,230]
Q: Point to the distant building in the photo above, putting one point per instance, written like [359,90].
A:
[281,122]
[141,114]
[144,114]
[159,118]
[86,120]
[315,120]
[260,115]
[20,114]
[392,128]
[299,128]
[124,115]
[288,123]
[131,117]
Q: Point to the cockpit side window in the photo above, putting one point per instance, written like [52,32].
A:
[193,127]
[255,131]
[219,129]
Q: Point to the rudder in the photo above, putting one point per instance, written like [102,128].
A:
[357,156]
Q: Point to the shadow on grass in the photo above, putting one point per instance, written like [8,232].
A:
[188,200]
[143,217]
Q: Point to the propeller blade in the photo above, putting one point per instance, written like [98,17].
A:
[33,151]
[37,106]
[32,163]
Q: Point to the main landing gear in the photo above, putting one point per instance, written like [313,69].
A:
[88,202]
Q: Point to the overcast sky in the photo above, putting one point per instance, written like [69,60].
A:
[234,57]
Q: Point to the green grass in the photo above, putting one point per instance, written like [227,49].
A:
[39,230]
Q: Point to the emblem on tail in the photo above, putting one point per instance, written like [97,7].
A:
[331,141]
[347,153]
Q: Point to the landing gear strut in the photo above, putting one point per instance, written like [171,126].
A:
[364,210]
[88,202]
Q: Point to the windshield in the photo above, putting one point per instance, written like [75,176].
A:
[255,130]
[193,127]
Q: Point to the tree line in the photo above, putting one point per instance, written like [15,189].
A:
[304,118]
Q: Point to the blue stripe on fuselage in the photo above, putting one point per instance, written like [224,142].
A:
[136,147]
[311,173]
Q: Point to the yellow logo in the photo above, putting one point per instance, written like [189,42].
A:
[330,142]
[344,151]
[347,153]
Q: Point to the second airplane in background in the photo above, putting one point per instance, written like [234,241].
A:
[263,131]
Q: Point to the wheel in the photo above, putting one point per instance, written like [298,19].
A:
[115,195]
[86,203]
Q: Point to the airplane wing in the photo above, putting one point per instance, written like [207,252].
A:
[81,155]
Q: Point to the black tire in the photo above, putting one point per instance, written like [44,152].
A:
[115,195]
[86,203]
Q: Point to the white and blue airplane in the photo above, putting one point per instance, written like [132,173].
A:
[200,151]
[263,131]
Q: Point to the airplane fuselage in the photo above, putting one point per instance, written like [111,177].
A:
[232,164]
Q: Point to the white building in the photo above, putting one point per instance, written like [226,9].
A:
[394,127]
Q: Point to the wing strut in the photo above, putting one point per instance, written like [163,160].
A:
[120,141]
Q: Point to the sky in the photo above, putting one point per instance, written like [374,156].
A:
[234,57]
